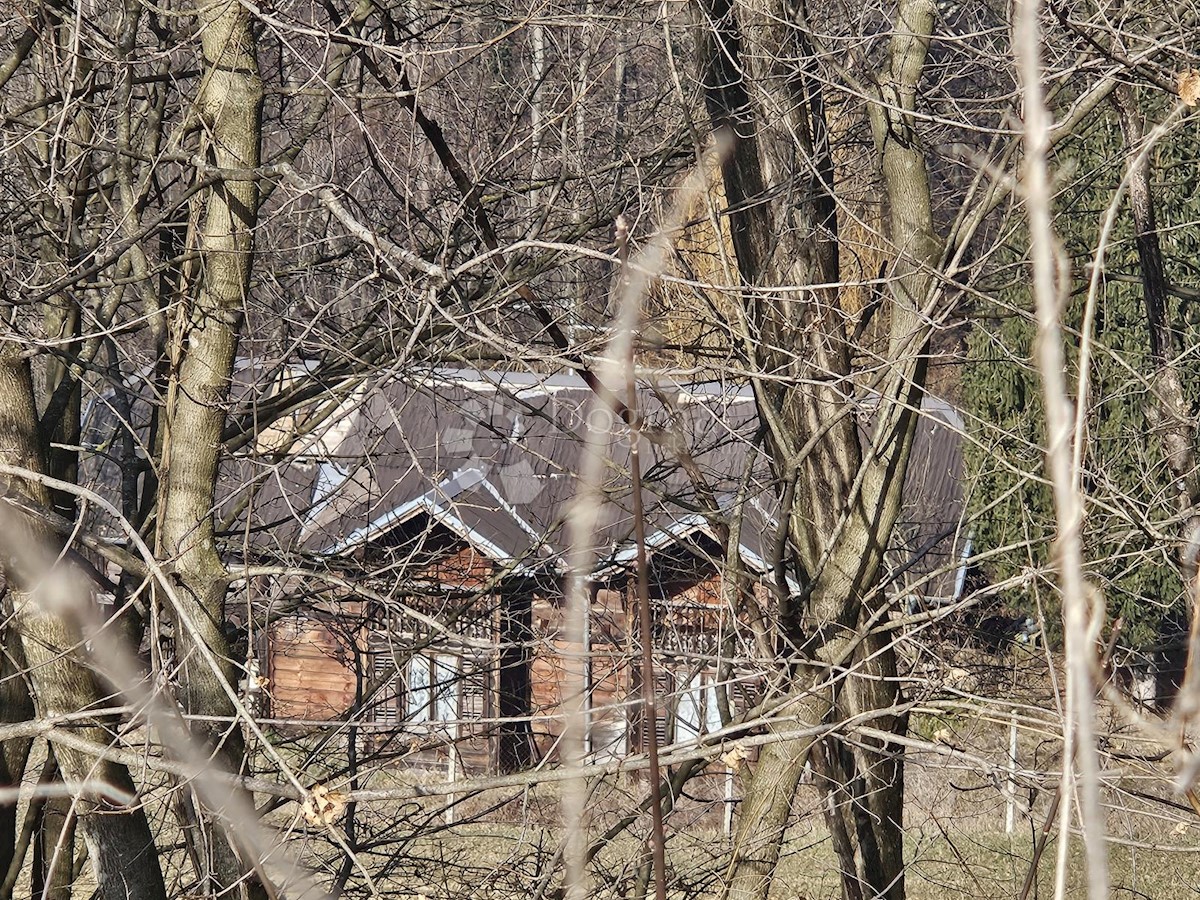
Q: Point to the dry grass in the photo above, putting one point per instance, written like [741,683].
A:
[954,816]
[503,843]
[497,860]
[955,842]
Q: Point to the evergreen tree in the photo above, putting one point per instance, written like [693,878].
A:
[1130,528]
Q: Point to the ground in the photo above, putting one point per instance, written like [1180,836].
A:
[502,844]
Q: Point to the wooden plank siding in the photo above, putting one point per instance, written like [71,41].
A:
[311,670]
[505,705]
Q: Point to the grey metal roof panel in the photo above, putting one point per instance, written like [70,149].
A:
[526,434]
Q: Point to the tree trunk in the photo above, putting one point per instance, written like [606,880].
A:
[880,768]
[8,816]
[54,849]
[1170,415]
[47,613]
[778,182]
[230,105]
[763,817]
[15,706]
[832,778]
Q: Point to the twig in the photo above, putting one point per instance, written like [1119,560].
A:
[1080,623]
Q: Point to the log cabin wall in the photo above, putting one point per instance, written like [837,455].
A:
[607,673]
[610,681]
[310,669]
[391,671]
[689,622]
[687,615]
[503,706]
[693,632]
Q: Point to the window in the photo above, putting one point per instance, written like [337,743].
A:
[417,705]
[434,688]
[712,712]
[446,688]
[696,710]
[426,688]
[689,712]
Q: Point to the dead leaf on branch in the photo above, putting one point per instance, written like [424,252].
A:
[323,806]
[1188,85]
[735,756]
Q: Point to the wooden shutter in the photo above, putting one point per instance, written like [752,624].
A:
[664,693]
[386,707]
[474,680]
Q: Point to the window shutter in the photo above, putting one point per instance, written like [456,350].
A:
[664,688]
[474,683]
[386,708]
[385,704]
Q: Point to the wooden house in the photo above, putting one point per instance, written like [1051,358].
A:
[432,510]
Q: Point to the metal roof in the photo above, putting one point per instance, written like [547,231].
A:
[495,456]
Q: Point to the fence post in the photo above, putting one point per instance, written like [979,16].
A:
[1010,804]
[451,768]
[728,801]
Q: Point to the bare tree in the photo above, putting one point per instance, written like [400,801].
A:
[245,247]
[844,497]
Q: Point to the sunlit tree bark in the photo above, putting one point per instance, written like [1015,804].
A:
[49,616]
[203,349]
[846,495]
